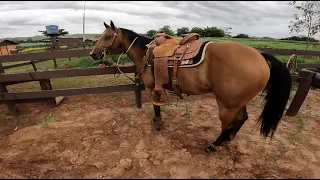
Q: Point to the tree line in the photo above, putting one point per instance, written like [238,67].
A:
[203,32]
[216,32]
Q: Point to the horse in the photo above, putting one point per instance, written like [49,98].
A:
[234,72]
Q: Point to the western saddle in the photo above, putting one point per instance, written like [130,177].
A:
[164,51]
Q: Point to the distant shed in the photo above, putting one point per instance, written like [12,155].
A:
[6,46]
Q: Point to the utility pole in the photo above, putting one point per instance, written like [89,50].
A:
[84,15]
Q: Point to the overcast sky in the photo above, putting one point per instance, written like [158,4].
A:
[256,18]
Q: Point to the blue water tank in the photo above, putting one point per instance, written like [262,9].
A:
[52,29]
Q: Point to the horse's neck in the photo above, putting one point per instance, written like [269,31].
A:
[135,53]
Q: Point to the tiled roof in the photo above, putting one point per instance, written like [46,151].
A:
[2,40]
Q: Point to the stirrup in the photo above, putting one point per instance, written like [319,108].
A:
[157,96]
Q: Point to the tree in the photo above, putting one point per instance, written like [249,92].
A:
[197,30]
[309,18]
[151,33]
[183,30]
[213,32]
[242,35]
[30,40]
[167,30]
[61,32]
[227,33]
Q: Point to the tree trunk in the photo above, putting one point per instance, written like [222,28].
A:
[308,39]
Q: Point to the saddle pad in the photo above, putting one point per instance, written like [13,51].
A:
[193,61]
[166,49]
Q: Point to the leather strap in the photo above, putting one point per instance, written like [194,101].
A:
[175,83]
[146,58]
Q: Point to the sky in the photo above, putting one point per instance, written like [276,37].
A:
[256,18]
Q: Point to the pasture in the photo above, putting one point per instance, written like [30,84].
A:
[106,136]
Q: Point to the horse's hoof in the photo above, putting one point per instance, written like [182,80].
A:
[210,148]
[158,123]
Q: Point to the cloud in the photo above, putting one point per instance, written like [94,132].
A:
[256,18]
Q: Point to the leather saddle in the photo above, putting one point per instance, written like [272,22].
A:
[163,51]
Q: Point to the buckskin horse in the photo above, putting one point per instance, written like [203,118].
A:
[235,73]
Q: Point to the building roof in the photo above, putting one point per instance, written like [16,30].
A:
[3,40]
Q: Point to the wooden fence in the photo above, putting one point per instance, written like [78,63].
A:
[48,94]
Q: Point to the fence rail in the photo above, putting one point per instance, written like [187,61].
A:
[47,93]
[39,75]
[68,92]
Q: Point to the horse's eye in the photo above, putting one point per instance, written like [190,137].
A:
[108,36]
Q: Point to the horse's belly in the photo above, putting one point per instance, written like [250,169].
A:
[194,81]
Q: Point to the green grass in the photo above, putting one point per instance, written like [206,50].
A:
[23,45]
[263,43]
[64,63]
[46,119]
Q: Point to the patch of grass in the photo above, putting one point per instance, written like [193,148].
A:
[150,112]
[7,117]
[23,117]
[117,111]
[115,99]
[46,119]
[164,109]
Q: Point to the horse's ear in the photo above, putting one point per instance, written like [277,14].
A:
[106,25]
[112,25]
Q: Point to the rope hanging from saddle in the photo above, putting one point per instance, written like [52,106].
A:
[109,63]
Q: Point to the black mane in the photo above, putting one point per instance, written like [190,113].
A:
[142,41]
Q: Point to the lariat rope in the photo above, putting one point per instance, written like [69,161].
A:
[117,66]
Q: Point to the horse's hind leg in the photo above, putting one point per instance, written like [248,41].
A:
[232,120]
[157,120]
[240,119]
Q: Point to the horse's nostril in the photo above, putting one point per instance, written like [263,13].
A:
[93,55]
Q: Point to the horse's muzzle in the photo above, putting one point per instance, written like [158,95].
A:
[95,56]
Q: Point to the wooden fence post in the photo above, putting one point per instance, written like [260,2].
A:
[45,84]
[3,89]
[33,65]
[137,93]
[303,89]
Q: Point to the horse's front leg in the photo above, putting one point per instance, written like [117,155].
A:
[157,120]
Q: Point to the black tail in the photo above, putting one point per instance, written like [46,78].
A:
[278,91]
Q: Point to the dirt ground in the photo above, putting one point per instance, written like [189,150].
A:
[106,136]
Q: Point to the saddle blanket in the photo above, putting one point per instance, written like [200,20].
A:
[198,59]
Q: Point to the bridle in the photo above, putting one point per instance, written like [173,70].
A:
[106,52]
[106,49]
